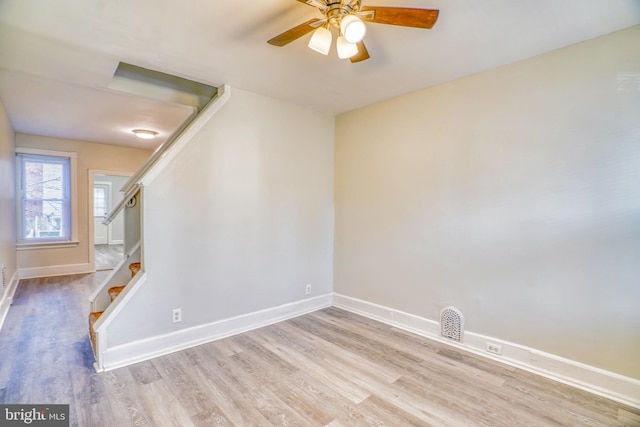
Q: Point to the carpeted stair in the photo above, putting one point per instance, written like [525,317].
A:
[134,267]
[114,292]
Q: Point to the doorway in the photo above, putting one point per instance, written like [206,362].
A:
[108,240]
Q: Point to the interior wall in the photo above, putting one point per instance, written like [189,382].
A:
[512,195]
[90,156]
[7,197]
[240,221]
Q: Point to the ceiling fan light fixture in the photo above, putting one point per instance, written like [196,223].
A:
[145,133]
[353,28]
[345,49]
[321,41]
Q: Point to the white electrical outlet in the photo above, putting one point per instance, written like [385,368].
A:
[307,289]
[177,315]
[494,348]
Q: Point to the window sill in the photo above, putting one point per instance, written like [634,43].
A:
[46,245]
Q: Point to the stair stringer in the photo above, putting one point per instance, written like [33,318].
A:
[101,326]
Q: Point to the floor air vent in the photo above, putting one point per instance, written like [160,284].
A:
[451,323]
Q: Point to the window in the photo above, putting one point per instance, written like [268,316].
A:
[46,205]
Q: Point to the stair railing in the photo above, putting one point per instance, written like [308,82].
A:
[190,127]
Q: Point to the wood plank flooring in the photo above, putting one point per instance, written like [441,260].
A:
[327,368]
[107,257]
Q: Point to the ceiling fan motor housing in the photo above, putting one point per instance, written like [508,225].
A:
[336,10]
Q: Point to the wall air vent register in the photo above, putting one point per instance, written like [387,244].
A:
[452,323]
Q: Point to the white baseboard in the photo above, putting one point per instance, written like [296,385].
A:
[54,270]
[138,351]
[116,242]
[607,384]
[6,299]
[585,377]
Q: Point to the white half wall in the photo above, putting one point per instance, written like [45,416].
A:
[240,221]
[512,195]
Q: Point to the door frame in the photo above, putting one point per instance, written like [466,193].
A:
[91,237]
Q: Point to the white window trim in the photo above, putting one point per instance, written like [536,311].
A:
[73,187]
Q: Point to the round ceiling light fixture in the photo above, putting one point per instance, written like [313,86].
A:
[145,133]
[353,28]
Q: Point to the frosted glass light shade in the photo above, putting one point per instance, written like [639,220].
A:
[345,49]
[321,41]
[144,133]
[353,28]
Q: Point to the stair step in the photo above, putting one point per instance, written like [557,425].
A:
[93,318]
[134,267]
[114,292]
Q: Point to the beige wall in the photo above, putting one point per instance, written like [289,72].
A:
[90,156]
[7,196]
[512,194]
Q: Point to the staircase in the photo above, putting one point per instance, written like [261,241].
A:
[112,300]
[114,291]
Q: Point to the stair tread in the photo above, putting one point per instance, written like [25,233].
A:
[134,267]
[94,316]
[115,291]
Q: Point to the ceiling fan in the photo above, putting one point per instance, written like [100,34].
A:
[348,17]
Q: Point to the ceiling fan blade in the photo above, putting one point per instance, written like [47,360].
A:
[319,22]
[366,15]
[315,3]
[362,54]
[403,16]
[294,33]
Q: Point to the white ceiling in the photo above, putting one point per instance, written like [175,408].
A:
[57,57]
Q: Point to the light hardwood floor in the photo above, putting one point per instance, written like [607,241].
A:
[329,368]
[108,256]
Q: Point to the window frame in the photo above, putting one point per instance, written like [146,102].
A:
[45,243]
